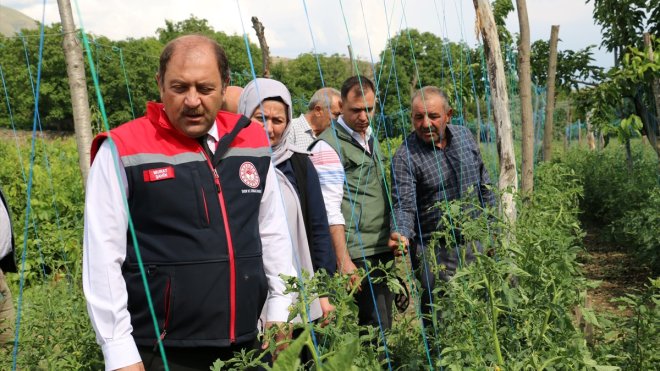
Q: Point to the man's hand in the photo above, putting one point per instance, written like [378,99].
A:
[134,367]
[398,244]
[327,309]
[284,333]
[348,267]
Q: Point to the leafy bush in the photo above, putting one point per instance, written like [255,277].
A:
[631,342]
[625,203]
[55,332]
[54,236]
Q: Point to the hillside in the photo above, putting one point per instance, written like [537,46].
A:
[12,21]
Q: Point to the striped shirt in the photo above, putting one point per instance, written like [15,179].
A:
[331,172]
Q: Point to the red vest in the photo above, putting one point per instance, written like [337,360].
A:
[197,230]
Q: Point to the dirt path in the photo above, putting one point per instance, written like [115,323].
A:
[609,262]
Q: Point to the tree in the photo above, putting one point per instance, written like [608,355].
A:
[575,69]
[623,23]
[76,72]
[234,45]
[412,59]
[301,75]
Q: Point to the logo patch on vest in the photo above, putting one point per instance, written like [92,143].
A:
[154,175]
[248,174]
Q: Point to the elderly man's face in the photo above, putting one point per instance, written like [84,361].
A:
[430,118]
[192,89]
[324,114]
[358,110]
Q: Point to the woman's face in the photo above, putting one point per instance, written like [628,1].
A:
[272,115]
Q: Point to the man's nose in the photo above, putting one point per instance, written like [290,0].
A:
[192,98]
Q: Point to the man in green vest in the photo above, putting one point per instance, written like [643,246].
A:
[347,158]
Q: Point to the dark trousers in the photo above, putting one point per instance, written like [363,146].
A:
[369,314]
[190,359]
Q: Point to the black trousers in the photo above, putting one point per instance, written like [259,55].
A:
[369,314]
[190,359]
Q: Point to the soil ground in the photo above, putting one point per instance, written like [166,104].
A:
[610,263]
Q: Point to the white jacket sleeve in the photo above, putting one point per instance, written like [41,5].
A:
[277,249]
[104,251]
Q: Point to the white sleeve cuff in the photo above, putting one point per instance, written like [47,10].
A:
[120,353]
[278,308]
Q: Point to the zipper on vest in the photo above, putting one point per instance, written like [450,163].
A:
[230,250]
[206,208]
[168,295]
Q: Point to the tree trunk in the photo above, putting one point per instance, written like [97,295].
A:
[550,98]
[651,130]
[508,182]
[579,133]
[649,123]
[629,159]
[265,52]
[75,69]
[525,91]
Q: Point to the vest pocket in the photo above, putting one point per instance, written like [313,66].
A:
[161,289]
[251,293]
[191,302]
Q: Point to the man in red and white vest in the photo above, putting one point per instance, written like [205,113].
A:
[192,189]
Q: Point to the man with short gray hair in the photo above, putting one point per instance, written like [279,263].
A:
[436,162]
[324,107]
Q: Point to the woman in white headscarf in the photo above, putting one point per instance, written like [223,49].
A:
[268,102]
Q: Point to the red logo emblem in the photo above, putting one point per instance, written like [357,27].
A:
[248,174]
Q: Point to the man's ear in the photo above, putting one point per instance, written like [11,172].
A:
[160,86]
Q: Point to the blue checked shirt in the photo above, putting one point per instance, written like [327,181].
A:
[423,175]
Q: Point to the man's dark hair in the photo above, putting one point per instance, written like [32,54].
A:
[220,56]
[359,81]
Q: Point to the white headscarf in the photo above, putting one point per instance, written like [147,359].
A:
[254,93]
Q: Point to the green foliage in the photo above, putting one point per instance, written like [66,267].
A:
[573,67]
[56,217]
[511,308]
[626,203]
[501,9]
[125,69]
[412,59]
[604,102]
[55,332]
[302,78]
[624,21]
[631,342]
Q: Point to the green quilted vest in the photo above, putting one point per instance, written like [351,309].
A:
[366,204]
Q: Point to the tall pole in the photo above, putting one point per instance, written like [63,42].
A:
[550,99]
[75,69]
[508,182]
[525,91]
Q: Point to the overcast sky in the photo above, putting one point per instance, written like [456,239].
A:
[366,24]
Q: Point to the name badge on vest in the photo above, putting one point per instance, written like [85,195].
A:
[154,175]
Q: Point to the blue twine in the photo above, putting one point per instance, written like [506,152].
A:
[29,193]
